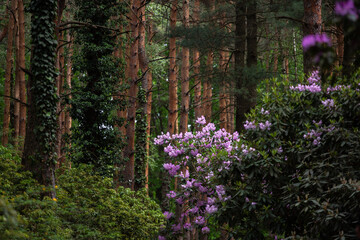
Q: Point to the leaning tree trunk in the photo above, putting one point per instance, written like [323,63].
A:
[312,25]
[39,148]
[9,64]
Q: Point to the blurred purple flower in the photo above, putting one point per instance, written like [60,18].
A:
[313,40]
[346,8]
[205,230]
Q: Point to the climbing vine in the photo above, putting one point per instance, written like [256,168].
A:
[39,153]
[141,138]
[95,139]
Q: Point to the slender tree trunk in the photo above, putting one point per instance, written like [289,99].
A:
[196,64]
[185,94]
[9,64]
[21,61]
[68,120]
[146,85]
[312,25]
[173,98]
[207,100]
[148,110]
[59,85]
[130,130]
[122,111]
[17,83]
[295,53]
[245,102]
[240,40]
[224,101]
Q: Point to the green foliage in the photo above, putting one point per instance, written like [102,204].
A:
[301,187]
[86,207]
[141,139]
[42,83]
[95,139]
[91,209]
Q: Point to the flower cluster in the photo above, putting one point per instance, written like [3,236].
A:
[195,160]
[262,126]
[310,41]
[347,8]
[315,135]
[337,88]
[313,86]
[329,103]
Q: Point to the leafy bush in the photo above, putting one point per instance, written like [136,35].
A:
[86,207]
[303,178]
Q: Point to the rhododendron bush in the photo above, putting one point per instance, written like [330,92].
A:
[197,160]
[294,171]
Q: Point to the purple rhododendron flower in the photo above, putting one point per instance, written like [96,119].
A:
[171,194]
[346,8]
[313,40]
[187,226]
[205,230]
[201,120]
[162,238]
[200,220]
[329,103]
[210,209]
[168,215]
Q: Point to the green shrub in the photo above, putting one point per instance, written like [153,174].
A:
[299,186]
[86,207]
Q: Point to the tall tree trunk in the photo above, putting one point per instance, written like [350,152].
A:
[21,61]
[312,25]
[196,64]
[146,108]
[207,100]
[59,85]
[240,40]
[130,130]
[173,98]
[39,148]
[68,120]
[17,83]
[185,93]
[224,101]
[185,58]
[9,64]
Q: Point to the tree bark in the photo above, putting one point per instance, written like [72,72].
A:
[207,100]
[59,85]
[9,64]
[240,40]
[39,147]
[68,120]
[196,65]
[17,83]
[185,58]
[21,61]
[146,85]
[312,25]
[173,99]
[130,130]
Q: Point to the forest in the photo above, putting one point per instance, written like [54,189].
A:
[180,119]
